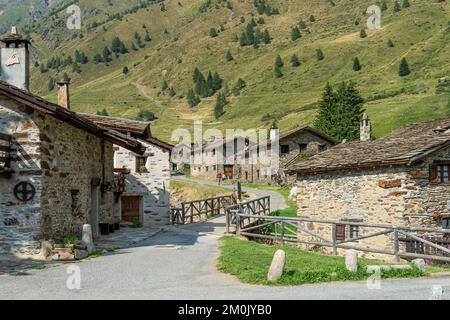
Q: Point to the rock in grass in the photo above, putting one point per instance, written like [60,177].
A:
[277,268]
[87,238]
[420,264]
[351,260]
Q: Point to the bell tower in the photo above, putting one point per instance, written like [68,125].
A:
[15,60]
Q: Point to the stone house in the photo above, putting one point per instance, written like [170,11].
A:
[401,179]
[293,145]
[147,195]
[56,167]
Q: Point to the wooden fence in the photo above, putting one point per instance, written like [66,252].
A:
[199,210]
[296,230]
[257,207]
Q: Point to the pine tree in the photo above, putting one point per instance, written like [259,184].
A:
[384,6]
[266,37]
[221,102]
[391,43]
[340,112]
[279,62]
[363,34]
[312,18]
[295,62]
[213,33]
[147,37]
[97,58]
[302,24]
[66,77]
[76,67]
[229,56]
[103,113]
[51,84]
[164,86]
[356,64]
[192,98]
[397,7]
[125,70]
[138,39]
[404,68]
[133,47]
[295,34]
[216,82]
[106,55]
[406,4]
[240,84]
[278,72]
[319,55]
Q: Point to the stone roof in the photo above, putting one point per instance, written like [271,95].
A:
[48,108]
[311,130]
[134,127]
[139,129]
[405,146]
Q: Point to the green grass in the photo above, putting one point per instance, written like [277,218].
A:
[39,267]
[250,261]
[419,33]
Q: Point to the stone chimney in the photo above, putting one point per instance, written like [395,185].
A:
[274,133]
[15,60]
[63,93]
[366,128]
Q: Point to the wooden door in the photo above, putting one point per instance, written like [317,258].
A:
[130,208]
[229,172]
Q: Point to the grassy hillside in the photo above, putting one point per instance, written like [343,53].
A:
[181,42]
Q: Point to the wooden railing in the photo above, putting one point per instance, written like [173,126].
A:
[257,207]
[296,230]
[199,210]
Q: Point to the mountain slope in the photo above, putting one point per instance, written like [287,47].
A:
[181,42]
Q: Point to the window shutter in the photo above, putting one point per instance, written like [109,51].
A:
[434,174]
[340,232]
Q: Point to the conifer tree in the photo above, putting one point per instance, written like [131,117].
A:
[277,71]
[125,70]
[319,55]
[384,6]
[240,84]
[229,56]
[97,58]
[266,37]
[106,55]
[192,98]
[406,4]
[295,34]
[356,64]
[363,34]
[213,33]
[391,43]
[302,24]
[51,84]
[340,112]
[279,62]
[312,18]
[164,86]
[404,68]
[295,62]
[221,102]
[397,7]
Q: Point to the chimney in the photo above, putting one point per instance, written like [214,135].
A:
[15,60]
[366,128]
[63,93]
[274,133]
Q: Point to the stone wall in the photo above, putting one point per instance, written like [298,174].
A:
[153,186]
[61,162]
[402,196]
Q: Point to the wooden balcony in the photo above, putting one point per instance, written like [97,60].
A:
[5,156]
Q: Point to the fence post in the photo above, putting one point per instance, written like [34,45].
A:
[396,246]
[238,225]
[334,240]
[183,213]
[227,221]
[282,233]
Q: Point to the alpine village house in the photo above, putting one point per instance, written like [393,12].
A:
[401,179]
[60,170]
[297,144]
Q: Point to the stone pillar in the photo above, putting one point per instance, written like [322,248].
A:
[366,128]
[64,94]
[351,260]
[87,238]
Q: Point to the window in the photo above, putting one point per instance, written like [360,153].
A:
[285,149]
[439,173]
[141,163]
[345,232]
[446,223]
[303,147]
[353,232]
[323,147]
[340,232]
[207,169]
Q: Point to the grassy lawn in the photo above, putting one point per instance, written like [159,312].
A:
[250,261]
[190,191]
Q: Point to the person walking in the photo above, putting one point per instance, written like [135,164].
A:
[219,177]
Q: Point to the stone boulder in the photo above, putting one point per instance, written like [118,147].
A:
[420,264]
[351,260]
[87,239]
[277,268]
[81,254]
